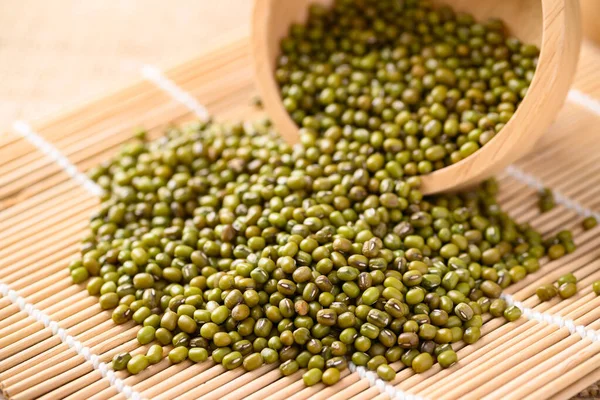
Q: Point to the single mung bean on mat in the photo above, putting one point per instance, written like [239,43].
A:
[589,223]
[120,361]
[546,200]
[424,87]
[221,240]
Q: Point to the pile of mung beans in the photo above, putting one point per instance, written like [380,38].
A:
[422,87]
[222,240]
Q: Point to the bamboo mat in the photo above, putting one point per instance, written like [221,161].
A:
[54,338]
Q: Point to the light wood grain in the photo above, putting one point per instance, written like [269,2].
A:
[590,16]
[552,24]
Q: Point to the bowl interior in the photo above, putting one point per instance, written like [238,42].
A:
[523,18]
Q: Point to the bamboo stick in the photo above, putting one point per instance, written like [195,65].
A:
[47,219]
[45,287]
[66,227]
[346,391]
[54,382]
[14,262]
[74,386]
[15,198]
[276,386]
[548,357]
[45,200]
[39,379]
[258,383]
[569,370]
[155,385]
[91,331]
[211,378]
[216,392]
[91,387]
[577,386]
[36,332]
[14,142]
[56,272]
[10,313]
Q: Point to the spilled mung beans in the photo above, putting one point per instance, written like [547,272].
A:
[222,240]
[565,286]
[589,223]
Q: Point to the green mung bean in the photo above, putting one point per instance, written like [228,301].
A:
[512,313]
[566,290]
[312,377]
[567,278]
[178,354]
[589,223]
[330,376]
[546,292]
[154,354]
[197,354]
[422,362]
[120,361]
[137,364]
[385,372]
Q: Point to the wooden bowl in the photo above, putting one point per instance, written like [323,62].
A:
[553,25]
[590,13]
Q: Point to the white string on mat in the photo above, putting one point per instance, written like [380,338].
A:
[586,101]
[553,319]
[25,131]
[70,341]
[155,75]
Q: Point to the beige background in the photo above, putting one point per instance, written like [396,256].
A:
[56,53]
